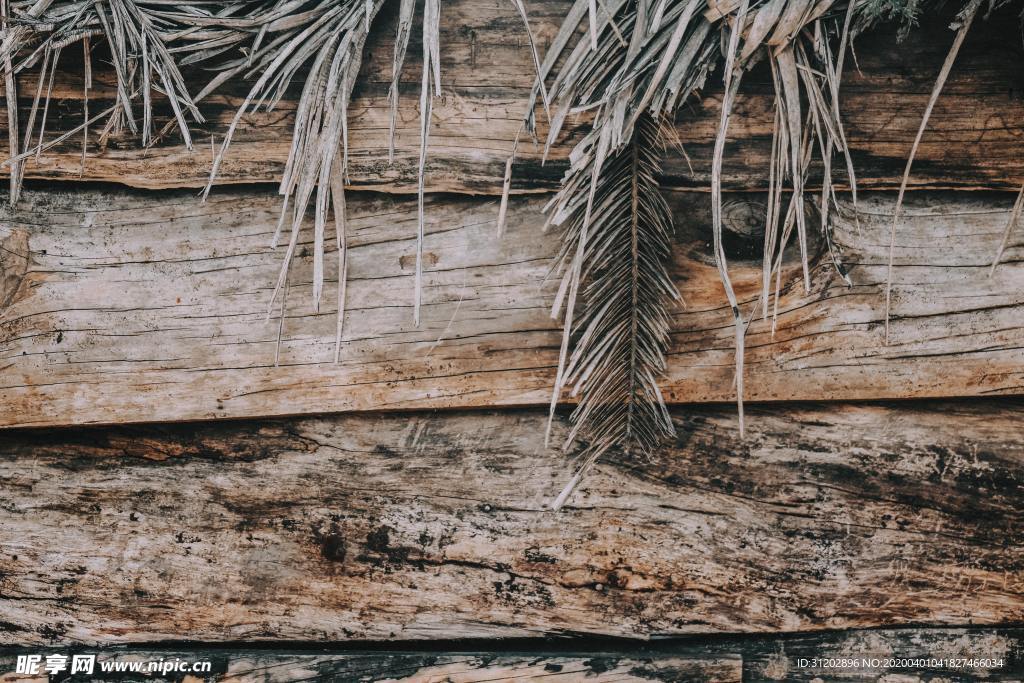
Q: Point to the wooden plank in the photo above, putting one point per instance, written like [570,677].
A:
[906,655]
[124,307]
[419,668]
[408,527]
[971,140]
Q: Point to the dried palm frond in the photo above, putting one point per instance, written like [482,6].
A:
[11,94]
[649,56]
[617,243]
[627,81]
[326,39]
[324,42]
[644,58]
[430,88]
[143,37]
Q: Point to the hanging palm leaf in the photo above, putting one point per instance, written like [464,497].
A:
[615,287]
[147,43]
[616,247]
[327,38]
[644,58]
[325,44]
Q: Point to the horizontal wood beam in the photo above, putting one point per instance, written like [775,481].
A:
[128,307]
[972,138]
[427,526]
[969,654]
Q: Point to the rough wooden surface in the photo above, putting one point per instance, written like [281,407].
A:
[125,307]
[882,656]
[971,142]
[405,527]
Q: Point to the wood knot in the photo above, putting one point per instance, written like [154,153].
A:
[743,222]
[744,217]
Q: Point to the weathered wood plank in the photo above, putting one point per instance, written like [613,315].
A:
[882,656]
[971,143]
[392,527]
[124,307]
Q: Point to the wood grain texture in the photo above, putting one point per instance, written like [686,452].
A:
[407,527]
[126,307]
[902,655]
[972,139]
